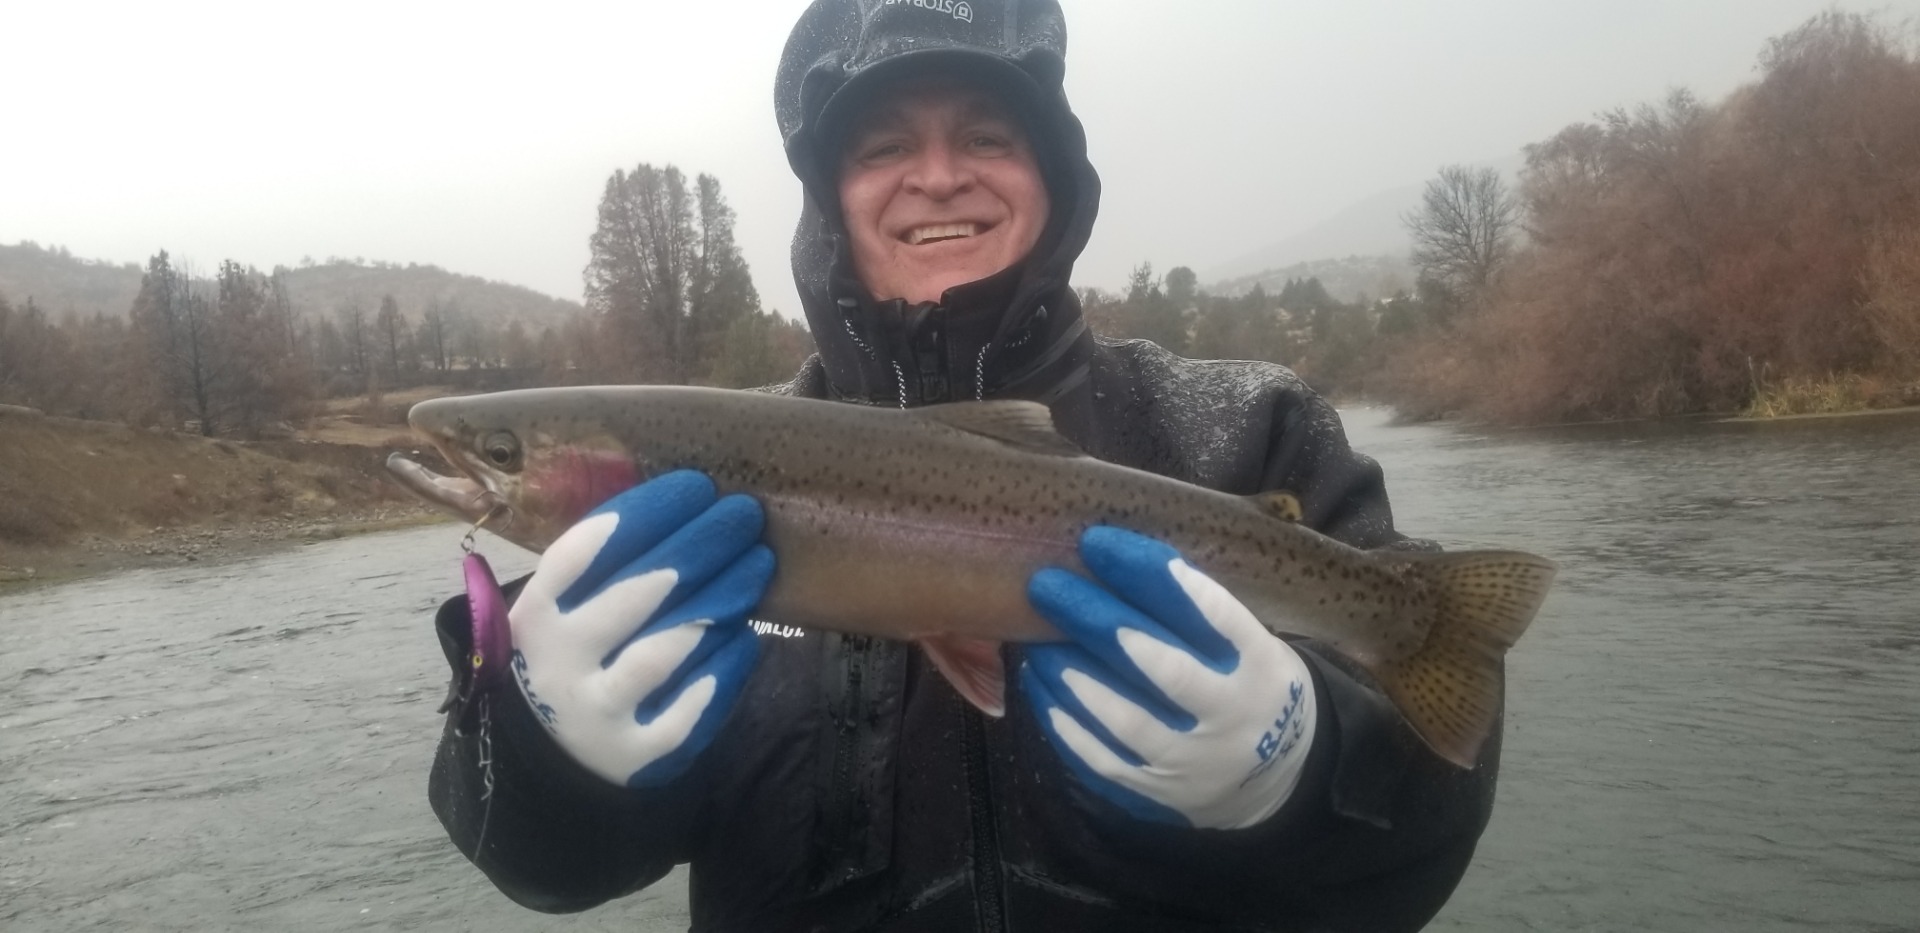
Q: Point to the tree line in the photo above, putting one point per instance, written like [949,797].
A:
[1760,254]
[669,300]
[1682,256]
[1328,341]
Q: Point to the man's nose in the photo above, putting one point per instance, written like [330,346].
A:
[939,173]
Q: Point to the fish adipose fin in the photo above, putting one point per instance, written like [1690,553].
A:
[1451,688]
[1026,425]
[974,667]
[1284,506]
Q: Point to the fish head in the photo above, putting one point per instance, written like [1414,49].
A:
[531,464]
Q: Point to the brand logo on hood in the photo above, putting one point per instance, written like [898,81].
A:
[961,11]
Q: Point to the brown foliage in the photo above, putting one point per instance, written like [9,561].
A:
[1892,285]
[1679,249]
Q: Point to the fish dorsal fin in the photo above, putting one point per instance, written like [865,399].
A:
[1280,504]
[1026,425]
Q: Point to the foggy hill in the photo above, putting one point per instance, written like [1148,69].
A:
[1368,227]
[58,282]
[338,283]
[1370,233]
[1350,279]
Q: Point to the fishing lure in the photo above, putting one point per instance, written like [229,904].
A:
[488,658]
[490,651]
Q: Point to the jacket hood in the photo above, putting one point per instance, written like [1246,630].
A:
[1015,334]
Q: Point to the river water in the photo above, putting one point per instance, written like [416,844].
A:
[1711,727]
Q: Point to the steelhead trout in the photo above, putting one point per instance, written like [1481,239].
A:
[927,523]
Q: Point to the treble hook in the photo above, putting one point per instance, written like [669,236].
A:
[466,543]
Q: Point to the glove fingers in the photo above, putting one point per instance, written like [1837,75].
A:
[688,723]
[720,610]
[726,594]
[647,665]
[647,671]
[1096,763]
[624,527]
[1107,628]
[1134,726]
[1229,616]
[1140,569]
[1041,678]
[694,555]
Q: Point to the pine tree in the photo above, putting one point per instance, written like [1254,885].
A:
[183,353]
[666,280]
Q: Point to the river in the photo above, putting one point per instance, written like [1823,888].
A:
[1711,727]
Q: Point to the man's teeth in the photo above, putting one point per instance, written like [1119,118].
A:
[920,235]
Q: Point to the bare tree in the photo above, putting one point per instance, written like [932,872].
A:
[1464,229]
[432,334]
[352,318]
[177,325]
[393,332]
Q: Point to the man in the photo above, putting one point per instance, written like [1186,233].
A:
[1170,767]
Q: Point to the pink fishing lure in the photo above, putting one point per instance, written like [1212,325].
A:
[492,650]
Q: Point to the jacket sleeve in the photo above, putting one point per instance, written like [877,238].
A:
[549,834]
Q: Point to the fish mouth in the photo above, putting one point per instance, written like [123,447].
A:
[462,496]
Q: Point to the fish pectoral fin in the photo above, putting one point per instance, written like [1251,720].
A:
[1026,425]
[1280,504]
[974,667]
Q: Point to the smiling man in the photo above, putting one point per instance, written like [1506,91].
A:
[938,187]
[1169,766]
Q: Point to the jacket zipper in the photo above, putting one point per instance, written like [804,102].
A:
[989,887]
[930,358]
[847,734]
[989,895]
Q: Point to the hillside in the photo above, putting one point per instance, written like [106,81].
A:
[1370,232]
[1349,280]
[1368,227]
[58,282]
[324,288]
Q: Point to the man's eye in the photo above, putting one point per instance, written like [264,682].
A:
[989,143]
[882,151]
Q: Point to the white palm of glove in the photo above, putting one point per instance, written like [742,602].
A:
[630,639]
[1172,700]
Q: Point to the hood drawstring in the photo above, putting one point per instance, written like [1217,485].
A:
[980,362]
[847,307]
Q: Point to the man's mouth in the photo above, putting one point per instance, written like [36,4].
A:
[936,233]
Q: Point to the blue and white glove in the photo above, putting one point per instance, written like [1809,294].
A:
[1170,699]
[631,640]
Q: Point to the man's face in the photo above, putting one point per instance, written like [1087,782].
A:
[939,187]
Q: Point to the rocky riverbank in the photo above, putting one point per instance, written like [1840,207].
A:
[85,497]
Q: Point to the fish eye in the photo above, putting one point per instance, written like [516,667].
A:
[502,450]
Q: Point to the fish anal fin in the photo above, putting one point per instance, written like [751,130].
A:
[1451,688]
[1280,504]
[974,667]
[1026,425]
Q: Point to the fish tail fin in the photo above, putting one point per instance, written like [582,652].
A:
[1450,690]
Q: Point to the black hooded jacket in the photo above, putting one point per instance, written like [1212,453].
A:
[852,789]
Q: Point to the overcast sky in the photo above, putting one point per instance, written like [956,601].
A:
[477,137]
